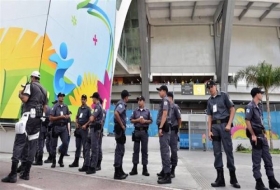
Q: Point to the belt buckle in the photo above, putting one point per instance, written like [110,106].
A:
[219,121]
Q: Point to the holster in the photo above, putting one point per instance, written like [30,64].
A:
[96,127]
[39,111]
[216,138]
[77,134]
[166,127]
[259,143]
[175,129]
[134,138]
[257,131]
[54,134]
[119,134]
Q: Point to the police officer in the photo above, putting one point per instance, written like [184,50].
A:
[119,129]
[48,139]
[176,122]
[81,132]
[100,155]
[164,127]
[260,149]
[59,116]
[34,97]
[95,132]
[141,118]
[42,137]
[220,111]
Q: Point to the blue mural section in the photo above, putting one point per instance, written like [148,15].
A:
[275,122]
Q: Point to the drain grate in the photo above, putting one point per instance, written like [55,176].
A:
[200,180]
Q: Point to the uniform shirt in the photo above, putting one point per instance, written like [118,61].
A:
[175,114]
[121,109]
[219,106]
[164,105]
[83,114]
[145,113]
[253,113]
[98,113]
[59,110]
[37,95]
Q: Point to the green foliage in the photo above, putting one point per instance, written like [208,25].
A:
[240,148]
[263,75]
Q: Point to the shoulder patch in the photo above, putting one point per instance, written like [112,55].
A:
[247,110]
[165,103]
[96,110]
[120,106]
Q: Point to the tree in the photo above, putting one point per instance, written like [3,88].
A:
[264,76]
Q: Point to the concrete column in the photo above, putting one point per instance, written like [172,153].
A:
[217,42]
[225,42]
[144,47]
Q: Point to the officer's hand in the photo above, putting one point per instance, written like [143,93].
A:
[160,132]
[84,127]
[210,136]
[123,127]
[254,139]
[228,127]
[66,116]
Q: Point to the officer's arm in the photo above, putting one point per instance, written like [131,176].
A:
[87,123]
[54,118]
[25,94]
[178,116]
[248,117]
[119,110]
[231,116]
[149,120]
[163,118]
[209,113]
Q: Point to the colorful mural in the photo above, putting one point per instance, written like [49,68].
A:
[73,51]
[239,129]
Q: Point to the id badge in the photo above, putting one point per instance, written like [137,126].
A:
[61,113]
[81,115]
[214,108]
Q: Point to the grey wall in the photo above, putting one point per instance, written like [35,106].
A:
[182,49]
[252,45]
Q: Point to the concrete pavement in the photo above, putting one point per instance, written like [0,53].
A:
[195,171]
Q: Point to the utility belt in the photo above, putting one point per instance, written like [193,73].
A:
[95,126]
[175,128]
[257,130]
[61,124]
[141,128]
[220,121]
[166,127]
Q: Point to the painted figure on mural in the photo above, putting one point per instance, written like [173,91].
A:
[59,83]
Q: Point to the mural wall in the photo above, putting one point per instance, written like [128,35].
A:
[71,43]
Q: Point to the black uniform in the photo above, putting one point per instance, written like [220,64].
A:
[140,135]
[59,130]
[260,150]
[28,141]
[218,108]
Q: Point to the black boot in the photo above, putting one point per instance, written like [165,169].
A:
[75,163]
[172,175]
[118,174]
[83,169]
[160,174]
[39,161]
[98,167]
[233,180]
[145,171]
[91,170]
[273,183]
[23,166]
[165,180]
[53,161]
[49,160]
[60,161]
[12,177]
[220,181]
[134,170]
[19,169]
[26,172]
[122,172]
[260,185]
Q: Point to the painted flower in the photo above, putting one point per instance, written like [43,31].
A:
[88,86]
[104,90]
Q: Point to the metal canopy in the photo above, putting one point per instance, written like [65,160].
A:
[196,12]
